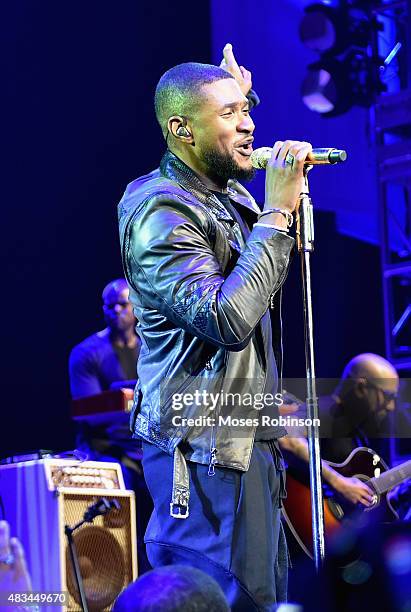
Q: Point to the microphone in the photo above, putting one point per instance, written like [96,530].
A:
[260,157]
[100,508]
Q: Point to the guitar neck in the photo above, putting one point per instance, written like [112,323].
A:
[389,479]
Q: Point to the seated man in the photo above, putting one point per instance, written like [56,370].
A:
[354,415]
[99,362]
[96,365]
[109,355]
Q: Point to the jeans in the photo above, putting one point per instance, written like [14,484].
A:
[233,531]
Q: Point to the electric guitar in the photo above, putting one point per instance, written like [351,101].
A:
[363,463]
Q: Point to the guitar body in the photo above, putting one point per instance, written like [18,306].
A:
[362,463]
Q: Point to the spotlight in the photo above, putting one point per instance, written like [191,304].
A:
[328,28]
[318,28]
[332,86]
[346,73]
[321,89]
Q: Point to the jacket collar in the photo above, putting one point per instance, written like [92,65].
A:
[174,169]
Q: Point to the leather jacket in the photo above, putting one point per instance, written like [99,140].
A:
[201,299]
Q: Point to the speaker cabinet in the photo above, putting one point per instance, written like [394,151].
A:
[39,499]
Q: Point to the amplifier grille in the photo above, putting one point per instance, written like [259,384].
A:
[103,550]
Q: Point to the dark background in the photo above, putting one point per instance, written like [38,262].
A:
[78,125]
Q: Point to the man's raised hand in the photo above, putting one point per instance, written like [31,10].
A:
[241,74]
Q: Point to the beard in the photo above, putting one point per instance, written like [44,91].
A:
[361,414]
[222,166]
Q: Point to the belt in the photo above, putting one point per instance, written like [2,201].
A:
[181,487]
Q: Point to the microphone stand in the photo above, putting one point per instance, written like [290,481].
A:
[75,563]
[305,245]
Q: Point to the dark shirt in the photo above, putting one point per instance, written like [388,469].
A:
[339,436]
[127,358]
[95,364]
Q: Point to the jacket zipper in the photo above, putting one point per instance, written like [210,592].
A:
[280,373]
[213,448]
[279,286]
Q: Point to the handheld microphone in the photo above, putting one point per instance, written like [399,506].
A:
[260,157]
[100,508]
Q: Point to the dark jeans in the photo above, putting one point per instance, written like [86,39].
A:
[233,531]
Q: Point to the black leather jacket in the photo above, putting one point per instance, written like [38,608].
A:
[201,300]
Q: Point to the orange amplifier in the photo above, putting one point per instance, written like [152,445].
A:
[108,403]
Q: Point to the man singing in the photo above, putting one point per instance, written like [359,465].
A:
[204,264]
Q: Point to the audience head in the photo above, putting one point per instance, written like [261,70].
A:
[173,588]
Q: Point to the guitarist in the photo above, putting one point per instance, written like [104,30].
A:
[354,415]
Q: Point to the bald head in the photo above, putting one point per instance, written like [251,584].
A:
[117,308]
[374,369]
[116,286]
[368,389]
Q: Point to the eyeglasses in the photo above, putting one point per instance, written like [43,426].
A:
[389,396]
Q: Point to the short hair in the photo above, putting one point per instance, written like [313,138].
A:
[173,588]
[178,92]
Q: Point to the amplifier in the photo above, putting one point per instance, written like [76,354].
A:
[40,497]
[82,474]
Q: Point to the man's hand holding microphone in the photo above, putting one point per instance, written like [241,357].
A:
[284,182]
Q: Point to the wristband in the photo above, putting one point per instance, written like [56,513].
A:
[283,211]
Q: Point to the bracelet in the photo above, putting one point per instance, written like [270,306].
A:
[283,211]
[276,227]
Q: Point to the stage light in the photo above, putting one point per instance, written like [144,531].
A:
[398,554]
[332,86]
[318,28]
[320,89]
[331,28]
[346,73]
